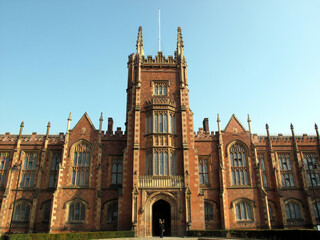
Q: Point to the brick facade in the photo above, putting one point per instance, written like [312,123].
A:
[93,180]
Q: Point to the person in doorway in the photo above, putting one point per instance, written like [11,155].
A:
[161,227]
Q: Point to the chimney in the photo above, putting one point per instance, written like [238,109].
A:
[110,125]
[206,125]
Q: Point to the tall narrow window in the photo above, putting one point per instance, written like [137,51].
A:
[238,165]
[161,165]
[148,163]
[56,160]
[165,123]
[293,211]
[203,171]
[208,211]
[117,171]
[310,163]
[156,164]
[76,212]
[81,165]
[285,170]
[173,161]
[46,211]
[316,209]
[270,212]
[4,164]
[263,170]
[28,170]
[243,211]
[155,122]
[173,124]
[112,212]
[160,123]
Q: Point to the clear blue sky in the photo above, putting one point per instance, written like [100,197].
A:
[256,57]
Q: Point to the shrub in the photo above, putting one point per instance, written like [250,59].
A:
[279,234]
[72,236]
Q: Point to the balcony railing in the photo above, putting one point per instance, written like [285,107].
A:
[161,182]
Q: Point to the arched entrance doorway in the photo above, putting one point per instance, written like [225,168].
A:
[161,210]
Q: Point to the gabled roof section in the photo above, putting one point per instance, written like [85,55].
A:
[85,117]
[233,124]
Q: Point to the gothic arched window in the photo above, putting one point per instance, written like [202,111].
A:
[203,171]
[244,211]
[21,212]
[208,211]
[293,211]
[239,167]
[112,211]
[76,211]
[81,165]
[56,160]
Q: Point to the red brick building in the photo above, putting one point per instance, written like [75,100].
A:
[93,180]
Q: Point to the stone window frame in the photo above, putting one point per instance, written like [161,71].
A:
[155,84]
[5,157]
[204,160]
[171,161]
[54,172]
[264,169]
[214,210]
[246,168]
[245,201]
[294,202]
[111,203]
[43,210]
[116,173]
[88,169]
[67,205]
[317,218]
[19,203]
[286,171]
[153,125]
[315,173]
[26,170]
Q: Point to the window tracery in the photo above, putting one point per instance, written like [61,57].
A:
[21,212]
[4,165]
[29,169]
[243,211]
[81,164]
[203,171]
[238,165]
[285,170]
[56,160]
[163,162]
[76,211]
[310,162]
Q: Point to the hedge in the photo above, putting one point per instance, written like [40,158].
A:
[274,234]
[72,236]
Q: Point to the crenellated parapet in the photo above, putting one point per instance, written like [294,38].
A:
[34,138]
[202,135]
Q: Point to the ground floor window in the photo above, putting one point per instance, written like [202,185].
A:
[243,211]
[293,211]
[21,212]
[76,212]
[208,211]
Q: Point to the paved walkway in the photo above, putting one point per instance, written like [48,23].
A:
[178,238]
